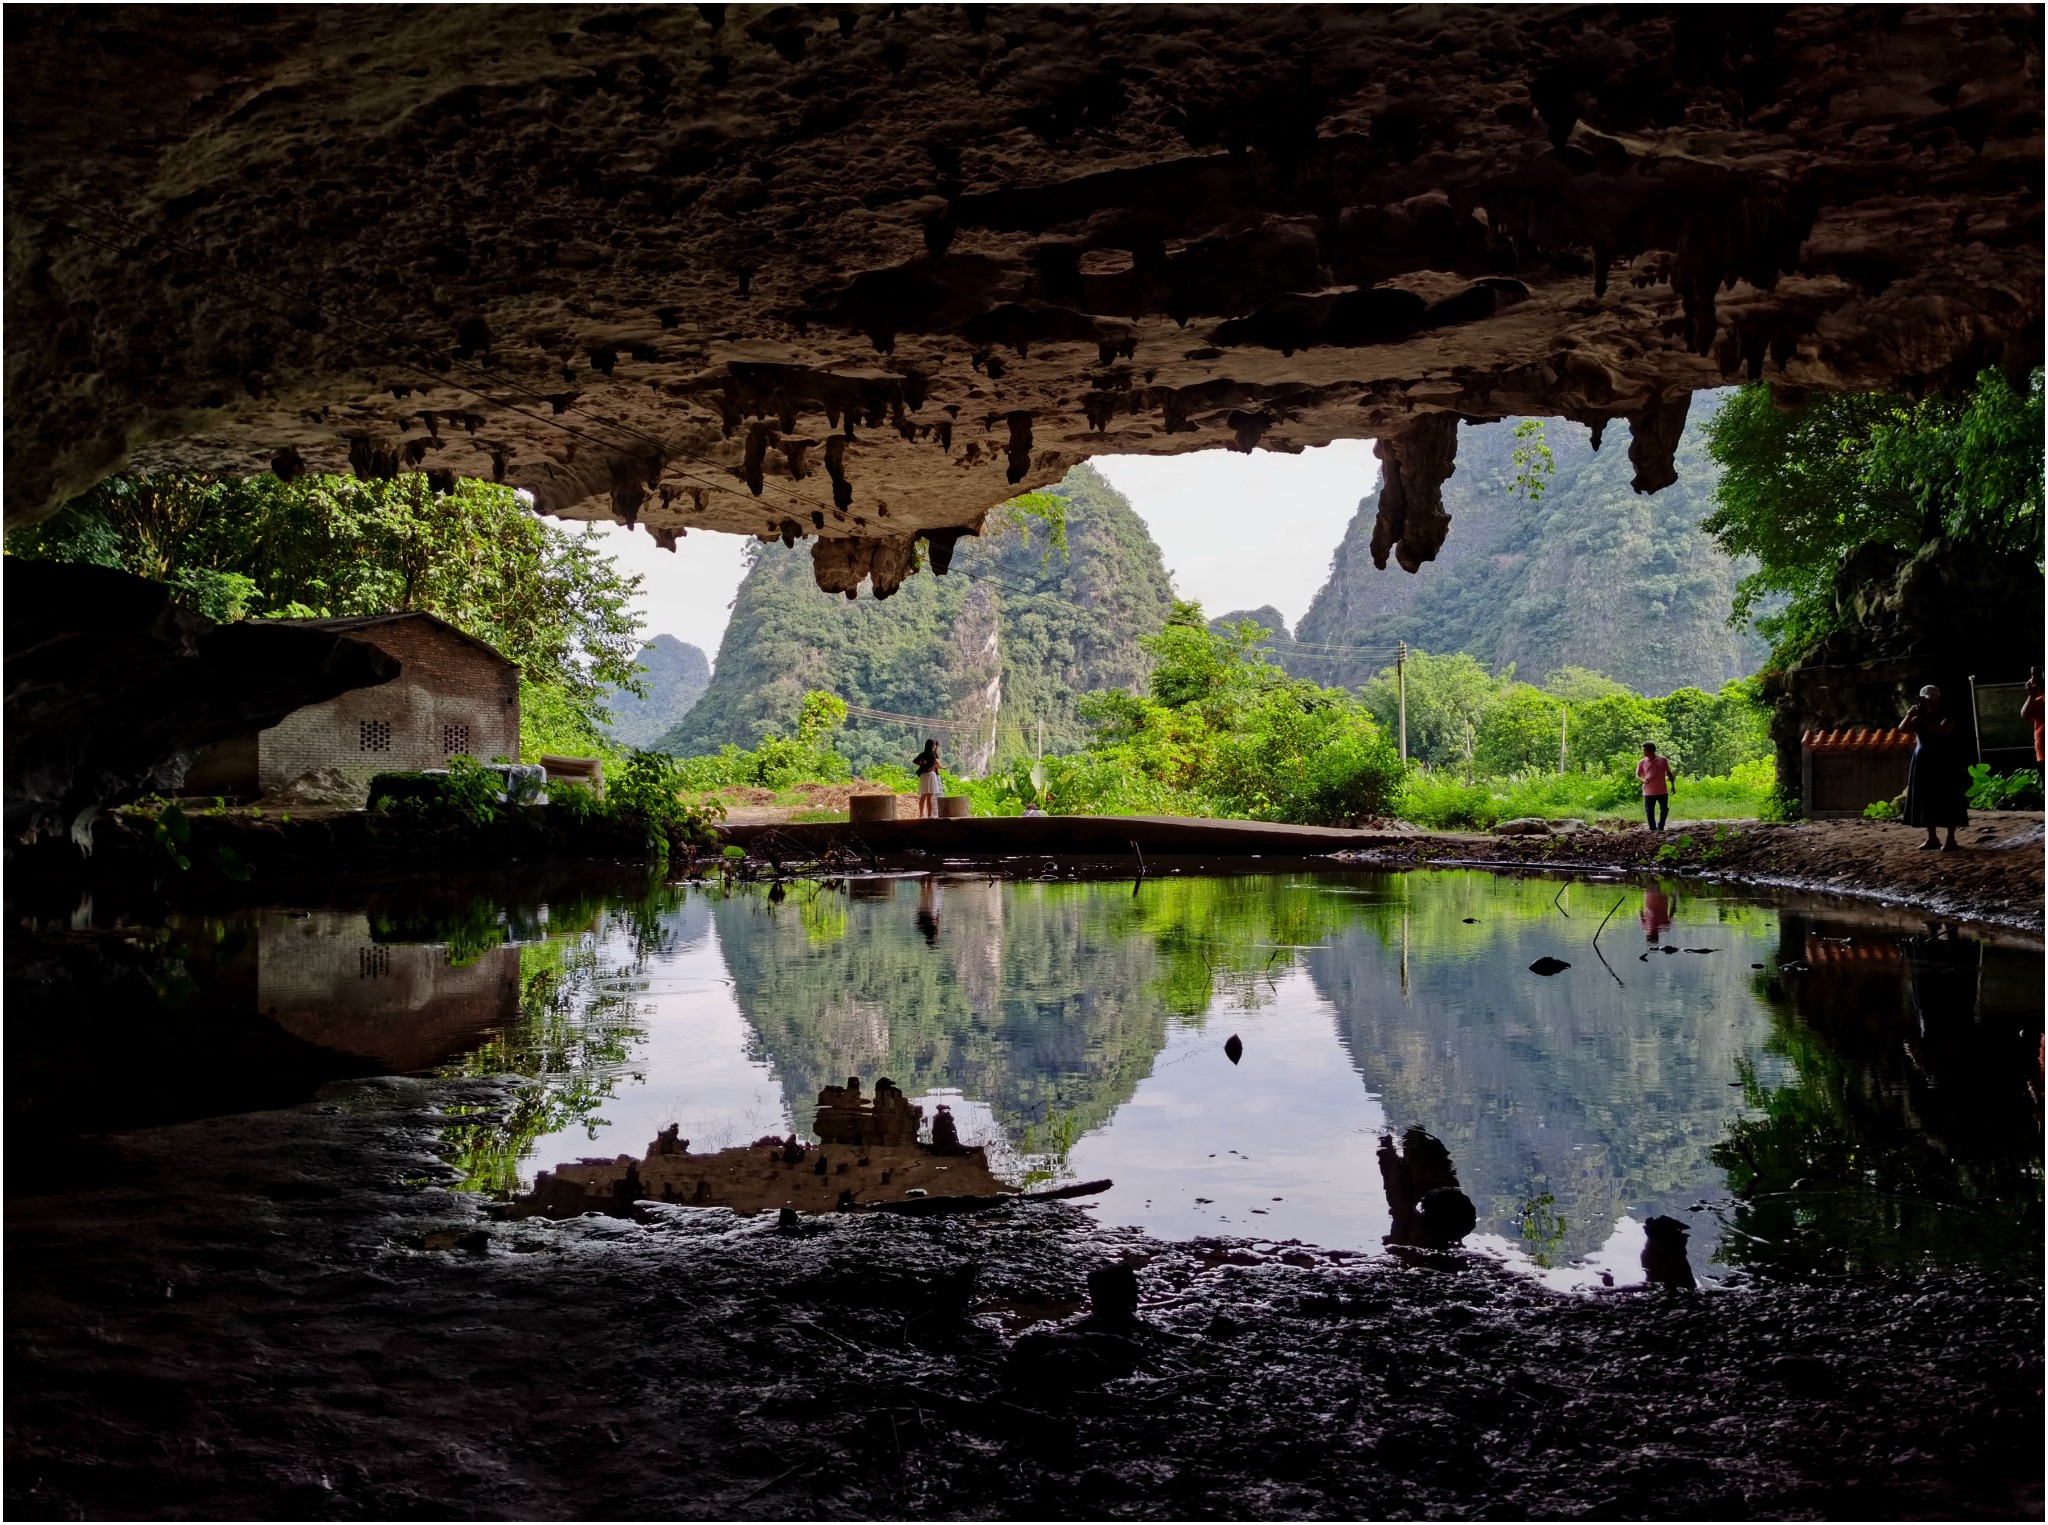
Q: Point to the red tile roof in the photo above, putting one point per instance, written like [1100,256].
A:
[1859,738]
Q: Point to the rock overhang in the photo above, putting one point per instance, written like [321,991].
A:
[859,273]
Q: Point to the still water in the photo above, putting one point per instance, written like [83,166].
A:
[1806,1091]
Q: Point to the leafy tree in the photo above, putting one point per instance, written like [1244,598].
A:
[550,599]
[1612,728]
[1711,734]
[1225,732]
[1519,734]
[1802,492]
[1448,697]
[1535,462]
[1581,685]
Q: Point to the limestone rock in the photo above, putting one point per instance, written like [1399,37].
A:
[859,273]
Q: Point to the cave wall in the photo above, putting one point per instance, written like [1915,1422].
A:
[113,688]
[856,273]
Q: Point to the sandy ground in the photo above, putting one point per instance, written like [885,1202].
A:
[241,1319]
[757,807]
[1993,876]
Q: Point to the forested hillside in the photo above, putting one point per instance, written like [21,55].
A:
[676,676]
[1014,635]
[1589,574]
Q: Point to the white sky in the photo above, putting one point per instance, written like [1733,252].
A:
[1237,532]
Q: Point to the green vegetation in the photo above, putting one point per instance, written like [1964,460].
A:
[777,762]
[550,600]
[571,1045]
[1051,600]
[2018,790]
[1222,731]
[1553,561]
[1850,481]
[1492,748]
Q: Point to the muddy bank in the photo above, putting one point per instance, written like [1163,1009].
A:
[1994,876]
[238,1319]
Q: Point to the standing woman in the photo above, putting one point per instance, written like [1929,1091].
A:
[1937,783]
[929,785]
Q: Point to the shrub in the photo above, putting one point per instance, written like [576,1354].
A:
[2020,790]
[467,793]
[1448,804]
[1881,810]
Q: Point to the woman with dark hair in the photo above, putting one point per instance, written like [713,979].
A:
[929,785]
[1937,781]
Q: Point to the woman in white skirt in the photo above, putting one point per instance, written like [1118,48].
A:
[929,785]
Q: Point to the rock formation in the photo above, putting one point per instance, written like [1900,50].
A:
[856,273]
[113,688]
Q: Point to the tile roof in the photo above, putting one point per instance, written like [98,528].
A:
[1858,738]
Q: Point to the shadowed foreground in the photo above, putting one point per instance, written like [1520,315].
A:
[244,1321]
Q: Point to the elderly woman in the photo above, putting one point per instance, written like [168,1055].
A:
[1938,782]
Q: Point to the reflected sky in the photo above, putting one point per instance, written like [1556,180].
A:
[1078,1030]
[1805,1090]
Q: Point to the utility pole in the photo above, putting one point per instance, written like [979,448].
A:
[1564,720]
[1041,738]
[1401,681]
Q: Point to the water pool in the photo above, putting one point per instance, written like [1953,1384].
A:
[1806,1090]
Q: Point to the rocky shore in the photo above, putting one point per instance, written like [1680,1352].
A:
[1994,877]
[243,1318]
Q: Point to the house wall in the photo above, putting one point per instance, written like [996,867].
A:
[1842,783]
[452,696]
[325,978]
[225,768]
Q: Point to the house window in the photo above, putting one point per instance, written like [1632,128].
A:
[374,735]
[373,962]
[454,738]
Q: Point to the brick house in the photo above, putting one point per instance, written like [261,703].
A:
[453,694]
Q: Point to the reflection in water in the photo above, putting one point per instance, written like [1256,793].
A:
[1794,1091]
[338,980]
[1428,1210]
[1656,914]
[1898,1125]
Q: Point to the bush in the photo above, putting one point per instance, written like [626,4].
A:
[1448,804]
[467,793]
[2020,790]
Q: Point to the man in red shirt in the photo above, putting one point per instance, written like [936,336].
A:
[1655,773]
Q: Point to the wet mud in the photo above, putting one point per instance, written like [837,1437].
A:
[291,1315]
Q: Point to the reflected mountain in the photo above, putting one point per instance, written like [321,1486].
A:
[1026,997]
[1607,1098]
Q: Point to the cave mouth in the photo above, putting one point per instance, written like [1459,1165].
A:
[857,278]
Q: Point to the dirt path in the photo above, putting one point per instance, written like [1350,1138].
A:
[1994,876]
[241,1319]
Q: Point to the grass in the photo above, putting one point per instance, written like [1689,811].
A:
[1445,802]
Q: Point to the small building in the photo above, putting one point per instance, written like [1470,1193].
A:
[454,694]
[1842,771]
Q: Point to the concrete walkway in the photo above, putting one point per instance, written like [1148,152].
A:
[1093,835]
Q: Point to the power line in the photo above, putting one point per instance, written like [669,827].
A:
[889,717]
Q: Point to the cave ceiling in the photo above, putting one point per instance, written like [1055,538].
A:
[858,273]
